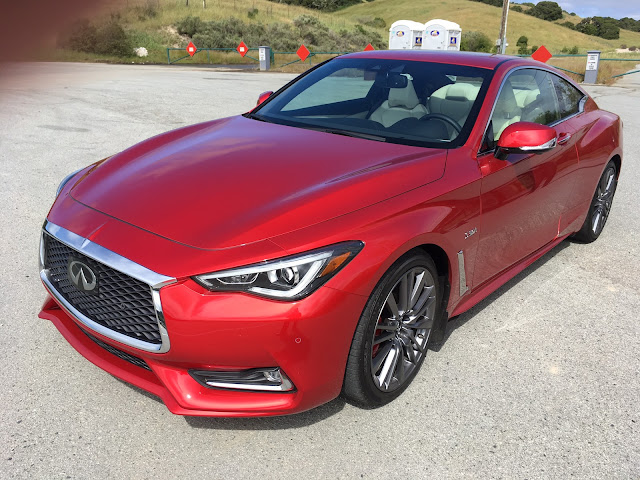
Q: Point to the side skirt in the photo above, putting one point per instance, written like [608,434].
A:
[484,290]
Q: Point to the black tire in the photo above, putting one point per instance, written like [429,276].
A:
[364,382]
[600,206]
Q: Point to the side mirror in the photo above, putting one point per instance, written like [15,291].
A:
[263,96]
[525,137]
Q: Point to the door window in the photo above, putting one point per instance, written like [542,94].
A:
[527,95]
[569,97]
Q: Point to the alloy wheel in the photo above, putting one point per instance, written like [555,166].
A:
[603,200]
[402,329]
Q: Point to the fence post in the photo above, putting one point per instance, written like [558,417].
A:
[168,57]
[593,63]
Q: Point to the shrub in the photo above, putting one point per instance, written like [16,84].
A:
[189,26]
[150,9]
[573,50]
[113,40]
[623,46]
[517,8]
[568,25]
[533,49]
[633,49]
[82,36]
[106,39]
[475,42]
[546,11]
[253,13]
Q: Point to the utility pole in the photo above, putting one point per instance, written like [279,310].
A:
[502,47]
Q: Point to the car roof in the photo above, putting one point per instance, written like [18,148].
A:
[469,59]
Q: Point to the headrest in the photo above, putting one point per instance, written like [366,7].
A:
[530,98]
[404,97]
[507,104]
[461,91]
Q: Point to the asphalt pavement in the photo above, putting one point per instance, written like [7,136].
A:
[540,380]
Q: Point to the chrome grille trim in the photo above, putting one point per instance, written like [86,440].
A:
[117,262]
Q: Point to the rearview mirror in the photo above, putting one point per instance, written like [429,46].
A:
[525,137]
[263,96]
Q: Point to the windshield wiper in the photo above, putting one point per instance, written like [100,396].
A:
[349,133]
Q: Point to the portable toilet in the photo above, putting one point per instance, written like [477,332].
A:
[405,35]
[441,35]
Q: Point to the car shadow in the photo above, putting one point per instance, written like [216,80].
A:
[457,322]
[299,420]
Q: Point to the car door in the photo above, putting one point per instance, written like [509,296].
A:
[524,196]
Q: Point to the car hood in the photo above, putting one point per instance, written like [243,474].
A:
[236,181]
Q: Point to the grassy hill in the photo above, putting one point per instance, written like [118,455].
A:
[151,24]
[486,18]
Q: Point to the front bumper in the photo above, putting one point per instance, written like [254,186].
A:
[308,340]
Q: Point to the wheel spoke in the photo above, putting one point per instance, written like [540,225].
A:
[384,338]
[380,357]
[393,306]
[389,367]
[596,220]
[417,289]
[404,293]
[425,301]
[424,323]
[415,342]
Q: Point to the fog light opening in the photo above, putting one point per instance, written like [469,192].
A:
[256,379]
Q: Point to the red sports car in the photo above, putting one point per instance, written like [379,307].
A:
[266,263]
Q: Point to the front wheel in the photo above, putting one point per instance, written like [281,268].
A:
[390,342]
[600,206]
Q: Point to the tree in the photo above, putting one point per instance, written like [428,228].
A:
[522,45]
[604,27]
[546,11]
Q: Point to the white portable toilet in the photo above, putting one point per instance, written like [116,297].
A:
[405,35]
[441,35]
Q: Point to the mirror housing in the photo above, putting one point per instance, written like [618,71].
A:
[525,138]
[263,96]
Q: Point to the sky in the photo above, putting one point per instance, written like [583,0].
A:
[599,8]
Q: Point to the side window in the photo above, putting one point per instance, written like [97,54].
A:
[569,97]
[527,95]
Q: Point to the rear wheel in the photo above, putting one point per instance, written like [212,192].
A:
[390,343]
[600,206]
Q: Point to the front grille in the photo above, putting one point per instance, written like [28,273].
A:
[119,353]
[119,302]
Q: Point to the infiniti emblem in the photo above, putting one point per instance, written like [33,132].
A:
[82,276]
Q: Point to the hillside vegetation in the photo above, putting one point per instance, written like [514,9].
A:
[156,25]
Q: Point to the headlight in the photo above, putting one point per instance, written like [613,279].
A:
[288,278]
[65,180]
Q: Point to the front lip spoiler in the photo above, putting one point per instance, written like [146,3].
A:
[103,255]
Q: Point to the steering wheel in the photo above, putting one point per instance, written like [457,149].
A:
[443,118]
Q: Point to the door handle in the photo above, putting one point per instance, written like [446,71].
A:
[563,138]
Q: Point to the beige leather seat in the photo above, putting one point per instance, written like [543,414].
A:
[402,103]
[455,101]
[506,111]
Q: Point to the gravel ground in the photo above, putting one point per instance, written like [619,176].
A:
[540,380]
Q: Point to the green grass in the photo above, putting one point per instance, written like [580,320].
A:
[155,33]
[486,18]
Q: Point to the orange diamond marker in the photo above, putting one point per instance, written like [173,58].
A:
[369,48]
[303,52]
[242,49]
[191,49]
[542,55]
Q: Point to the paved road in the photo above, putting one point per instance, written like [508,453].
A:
[541,380]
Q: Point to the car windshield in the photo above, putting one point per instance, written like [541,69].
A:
[398,101]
